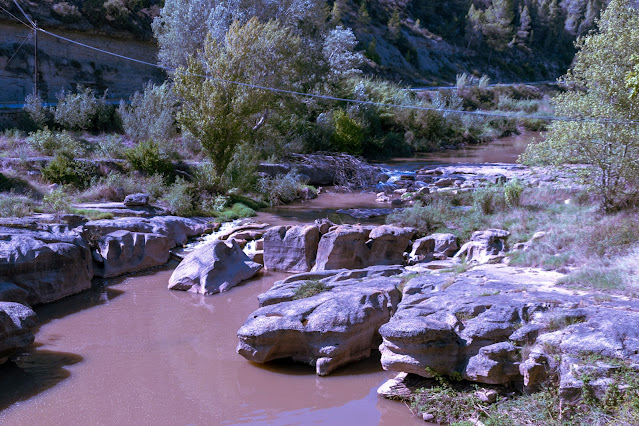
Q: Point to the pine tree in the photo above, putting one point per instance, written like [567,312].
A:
[522,36]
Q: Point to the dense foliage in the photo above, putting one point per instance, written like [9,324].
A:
[605,134]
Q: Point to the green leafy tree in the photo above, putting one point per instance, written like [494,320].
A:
[221,114]
[497,25]
[606,135]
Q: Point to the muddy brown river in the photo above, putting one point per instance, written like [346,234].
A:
[132,352]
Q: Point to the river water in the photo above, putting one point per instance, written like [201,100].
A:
[132,352]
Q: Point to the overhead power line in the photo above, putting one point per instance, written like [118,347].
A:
[334,98]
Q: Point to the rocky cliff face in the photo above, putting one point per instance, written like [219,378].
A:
[112,26]
[62,65]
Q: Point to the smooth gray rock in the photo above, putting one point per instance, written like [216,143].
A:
[213,268]
[16,324]
[343,247]
[327,330]
[291,249]
[487,246]
[47,266]
[122,252]
[388,244]
[177,229]
[137,200]
[424,249]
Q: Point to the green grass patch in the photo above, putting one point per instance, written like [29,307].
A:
[309,288]
[596,278]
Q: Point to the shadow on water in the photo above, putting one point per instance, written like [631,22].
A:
[37,370]
[288,367]
[33,373]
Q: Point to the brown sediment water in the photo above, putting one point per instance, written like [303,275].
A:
[136,353]
[503,150]
[323,207]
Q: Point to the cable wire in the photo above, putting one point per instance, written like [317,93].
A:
[33,25]
[14,53]
[354,101]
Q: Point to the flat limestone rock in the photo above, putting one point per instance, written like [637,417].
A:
[327,330]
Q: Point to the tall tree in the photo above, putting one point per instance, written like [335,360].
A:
[605,134]
[222,114]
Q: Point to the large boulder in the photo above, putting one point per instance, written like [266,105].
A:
[46,265]
[485,246]
[16,324]
[121,252]
[291,249]
[343,247]
[334,325]
[425,249]
[213,268]
[388,245]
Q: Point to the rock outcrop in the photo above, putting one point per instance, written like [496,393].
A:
[477,325]
[213,268]
[487,246]
[343,247]
[16,323]
[121,252]
[433,246]
[291,249]
[332,327]
[46,265]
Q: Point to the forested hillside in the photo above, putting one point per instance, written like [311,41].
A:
[415,42]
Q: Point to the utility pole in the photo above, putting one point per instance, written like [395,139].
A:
[35,62]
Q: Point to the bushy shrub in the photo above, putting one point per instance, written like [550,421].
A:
[147,158]
[34,106]
[76,110]
[241,174]
[281,189]
[116,186]
[179,198]
[112,146]
[425,218]
[151,114]
[15,206]
[56,201]
[489,199]
[237,211]
[348,135]
[65,170]
[14,184]
[512,193]
[47,142]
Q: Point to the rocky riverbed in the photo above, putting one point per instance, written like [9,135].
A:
[354,290]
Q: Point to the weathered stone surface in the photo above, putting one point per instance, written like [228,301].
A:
[291,249]
[212,268]
[16,322]
[388,245]
[477,324]
[177,229]
[122,252]
[47,265]
[343,247]
[485,246]
[137,200]
[424,249]
[327,330]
